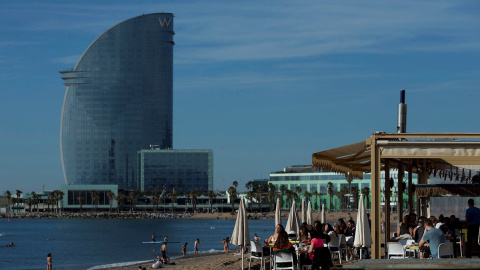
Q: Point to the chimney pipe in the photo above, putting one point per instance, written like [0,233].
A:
[402,114]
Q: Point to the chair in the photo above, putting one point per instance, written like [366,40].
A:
[395,250]
[343,246]
[257,253]
[459,239]
[334,247]
[409,243]
[284,261]
[445,250]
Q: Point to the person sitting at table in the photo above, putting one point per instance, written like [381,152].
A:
[342,224]
[404,231]
[304,234]
[318,228]
[315,243]
[419,230]
[279,228]
[336,228]
[433,236]
[282,244]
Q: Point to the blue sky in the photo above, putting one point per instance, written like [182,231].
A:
[263,83]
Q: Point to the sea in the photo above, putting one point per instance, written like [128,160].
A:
[102,243]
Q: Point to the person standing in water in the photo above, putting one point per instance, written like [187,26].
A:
[49,261]
[196,247]
[184,249]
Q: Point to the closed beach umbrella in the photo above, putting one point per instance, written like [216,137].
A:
[309,213]
[304,212]
[293,222]
[240,235]
[363,236]
[323,218]
[278,214]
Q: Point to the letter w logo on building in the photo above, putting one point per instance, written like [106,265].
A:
[164,22]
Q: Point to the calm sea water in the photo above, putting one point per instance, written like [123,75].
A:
[94,243]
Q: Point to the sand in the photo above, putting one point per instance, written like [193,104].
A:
[231,261]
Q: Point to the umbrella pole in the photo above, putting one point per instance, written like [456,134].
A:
[241,251]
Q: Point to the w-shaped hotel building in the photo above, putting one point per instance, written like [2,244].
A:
[118,103]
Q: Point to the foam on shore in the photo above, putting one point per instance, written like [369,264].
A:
[117,265]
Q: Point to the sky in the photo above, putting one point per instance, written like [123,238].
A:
[264,84]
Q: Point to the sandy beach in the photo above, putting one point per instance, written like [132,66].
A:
[232,261]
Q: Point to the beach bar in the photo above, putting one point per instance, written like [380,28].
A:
[454,156]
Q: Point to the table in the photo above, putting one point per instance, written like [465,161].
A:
[416,249]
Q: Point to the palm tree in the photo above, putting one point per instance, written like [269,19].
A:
[18,193]
[290,196]
[354,191]
[29,202]
[307,195]
[366,193]
[194,196]
[133,199]
[330,192]
[341,196]
[120,196]
[211,196]
[35,198]
[250,197]
[50,201]
[173,197]
[80,199]
[235,184]
[96,200]
[249,185]
[232,192]
[282,189]
[92,196]
[110,196]
[271,195]
[315,193]
[59,196]
[9,199]
[298,190]
[156,198]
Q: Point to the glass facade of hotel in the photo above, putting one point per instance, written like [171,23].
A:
[118,101]
[182,170]
[317,181]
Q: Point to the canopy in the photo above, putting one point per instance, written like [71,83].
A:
[466,190]
[352,160]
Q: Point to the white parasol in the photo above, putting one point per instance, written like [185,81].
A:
[363,236]
[240,235]
[309,213]
[293,223]
[278,213]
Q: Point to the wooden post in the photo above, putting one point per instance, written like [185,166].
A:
[375,187]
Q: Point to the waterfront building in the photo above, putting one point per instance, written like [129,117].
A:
[341,195]
[118,100]
[181,170]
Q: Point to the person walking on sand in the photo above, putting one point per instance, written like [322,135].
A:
[195,247]
[49,261]
[184,249]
